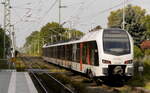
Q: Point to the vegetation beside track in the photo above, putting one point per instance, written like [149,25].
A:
[80,84]
[142,80]
[20,65]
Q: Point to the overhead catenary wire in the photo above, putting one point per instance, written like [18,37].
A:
[21,18]
[76,12]
[41,19]
[39,22]
[25,16]
[75,16]
[46,13]
[91,17]
[105,10]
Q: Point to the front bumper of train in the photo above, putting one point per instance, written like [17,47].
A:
[122,70]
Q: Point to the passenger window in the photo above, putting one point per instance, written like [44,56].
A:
[94,53]
[84,53]
[78,53]
[74,51]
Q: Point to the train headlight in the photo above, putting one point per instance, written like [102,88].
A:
[128,62]
[106,61]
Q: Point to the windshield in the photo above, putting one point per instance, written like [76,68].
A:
[116,42]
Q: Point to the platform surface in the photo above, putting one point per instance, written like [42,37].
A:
[16,82]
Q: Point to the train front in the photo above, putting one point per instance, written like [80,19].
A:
[117,56]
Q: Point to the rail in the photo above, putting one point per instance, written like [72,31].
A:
[39,82]
[60,83]
[39,70]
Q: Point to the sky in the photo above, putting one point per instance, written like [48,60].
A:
[30,15]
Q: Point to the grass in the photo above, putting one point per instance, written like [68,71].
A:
[140,80]
[78,86]
[6,65]
[20,66]
[147,73]
[3,65]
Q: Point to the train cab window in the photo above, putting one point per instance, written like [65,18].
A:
[116,42]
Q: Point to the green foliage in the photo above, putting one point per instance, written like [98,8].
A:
[7,42]
[32,37]
[115,19]
[133,19]
[72,33]
[147,52]
[143,80]
[138,52]
[146,22]
[51,32]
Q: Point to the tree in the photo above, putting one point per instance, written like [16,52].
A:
[7,43]
[72,34]
[146,22]
[133,19]
[51,32]
[138,52]
[32,42]
[33,36]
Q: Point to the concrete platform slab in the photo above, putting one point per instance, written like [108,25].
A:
[4,81]
[16,82]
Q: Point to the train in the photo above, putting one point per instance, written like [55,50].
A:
[98,54]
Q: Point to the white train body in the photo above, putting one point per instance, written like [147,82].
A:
[102,53]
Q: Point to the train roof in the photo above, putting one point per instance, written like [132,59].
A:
[90,36]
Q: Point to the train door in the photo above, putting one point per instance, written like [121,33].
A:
[88,54]
[84,55]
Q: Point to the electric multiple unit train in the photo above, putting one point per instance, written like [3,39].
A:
[99,54]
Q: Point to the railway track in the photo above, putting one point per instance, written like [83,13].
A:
[49,82]
[44,80]
[42,89]
[52,84]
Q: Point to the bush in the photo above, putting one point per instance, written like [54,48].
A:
[138,52]
[147,52]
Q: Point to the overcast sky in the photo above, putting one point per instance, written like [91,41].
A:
[31,15]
